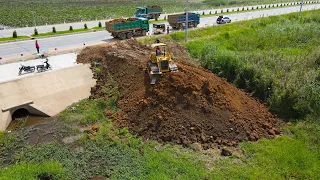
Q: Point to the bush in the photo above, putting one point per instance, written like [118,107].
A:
[238,9]
[242,8]
[35,31]
[70,28]
[203,13]
[216,12]
[227,10]
[14,35]
[85,26]
[210,12]
[221,10]
[257,7]
[54,29]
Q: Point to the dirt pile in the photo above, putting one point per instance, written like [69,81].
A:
[192,105]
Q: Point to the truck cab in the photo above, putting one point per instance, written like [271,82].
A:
[141,12]
[159,28]
[144,23]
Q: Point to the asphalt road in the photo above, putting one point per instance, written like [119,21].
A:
[77,25]
[14,49]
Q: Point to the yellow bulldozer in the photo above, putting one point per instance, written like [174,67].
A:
[160,62]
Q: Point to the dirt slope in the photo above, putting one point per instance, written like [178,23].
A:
[192,105]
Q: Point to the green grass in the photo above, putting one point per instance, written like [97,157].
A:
[31,171]
[61,32]
[13,39]
[99,28]
[294,156]
[15,13]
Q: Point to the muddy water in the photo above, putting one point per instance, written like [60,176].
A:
[30,120]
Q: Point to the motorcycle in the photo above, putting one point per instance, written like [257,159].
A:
[44,67]
[28,69]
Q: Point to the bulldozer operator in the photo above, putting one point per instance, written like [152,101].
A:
[158,51]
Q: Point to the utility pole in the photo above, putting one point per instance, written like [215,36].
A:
[187,22]
[300,7]
[34,19]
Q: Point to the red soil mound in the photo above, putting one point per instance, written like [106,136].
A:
[192,105]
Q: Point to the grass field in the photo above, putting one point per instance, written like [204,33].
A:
[19,13]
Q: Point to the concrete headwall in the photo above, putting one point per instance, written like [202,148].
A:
[46,93]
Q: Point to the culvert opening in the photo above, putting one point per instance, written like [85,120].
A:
[22,118]
[20,113]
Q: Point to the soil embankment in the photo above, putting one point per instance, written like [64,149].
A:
[192,105]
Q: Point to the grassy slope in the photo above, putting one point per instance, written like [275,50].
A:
[15,13]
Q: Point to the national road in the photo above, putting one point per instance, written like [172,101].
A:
[14,49]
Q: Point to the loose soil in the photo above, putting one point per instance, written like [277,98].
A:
[190,106]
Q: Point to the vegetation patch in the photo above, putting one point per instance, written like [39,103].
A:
[13,39]
[42,171]
[61,32]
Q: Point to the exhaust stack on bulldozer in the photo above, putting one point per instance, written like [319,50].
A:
[160,62]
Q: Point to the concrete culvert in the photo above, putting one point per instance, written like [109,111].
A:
[20,113]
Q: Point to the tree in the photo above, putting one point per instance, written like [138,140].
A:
[35,31]
[85,26]
[54,30]
[71,28]
[165,17]
[14,35]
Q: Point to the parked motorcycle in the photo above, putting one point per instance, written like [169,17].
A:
[44,67]
[28,69]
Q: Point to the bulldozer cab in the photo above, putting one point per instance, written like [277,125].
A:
[160,55]
[160,62]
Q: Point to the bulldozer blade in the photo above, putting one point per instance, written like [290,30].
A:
[153,79]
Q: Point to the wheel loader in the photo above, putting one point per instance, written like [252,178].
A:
[160,62]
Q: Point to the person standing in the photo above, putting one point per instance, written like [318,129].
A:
[168,30]
[37,46]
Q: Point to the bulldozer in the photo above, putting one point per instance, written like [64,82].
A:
[160,62]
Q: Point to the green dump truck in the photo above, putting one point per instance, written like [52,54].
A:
[126,28]
[152,12]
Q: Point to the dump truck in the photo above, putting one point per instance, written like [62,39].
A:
[152,12]
[127,28]
[160,62]
[178,21]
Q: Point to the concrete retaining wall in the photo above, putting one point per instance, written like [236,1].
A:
[46,93]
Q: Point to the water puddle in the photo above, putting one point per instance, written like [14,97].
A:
[29,120]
